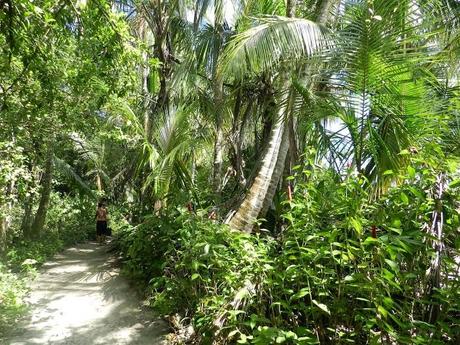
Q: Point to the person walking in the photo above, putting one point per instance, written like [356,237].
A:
[101,222]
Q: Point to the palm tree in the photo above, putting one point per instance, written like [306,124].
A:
[269,36]
[367,86]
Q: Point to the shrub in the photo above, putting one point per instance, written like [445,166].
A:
[12,292]
[347,268]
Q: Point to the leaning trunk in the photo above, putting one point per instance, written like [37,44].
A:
[262,190]
[260,194]
[40,216]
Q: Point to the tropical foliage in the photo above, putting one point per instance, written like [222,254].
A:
[277,171]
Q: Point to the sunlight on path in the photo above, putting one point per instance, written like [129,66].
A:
[80,299]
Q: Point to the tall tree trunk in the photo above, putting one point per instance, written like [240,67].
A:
[145,74]
[239,163]
[27,218]
[218,91]
[156,15]
[40,216]
[436,233]
[262,190]
[2,233]
[5,220]
[219,141]
[324,11]
[28,203]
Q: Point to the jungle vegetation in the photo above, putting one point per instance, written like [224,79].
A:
[277,171]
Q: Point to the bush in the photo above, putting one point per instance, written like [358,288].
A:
[12,292]
[143,246]
[347,268]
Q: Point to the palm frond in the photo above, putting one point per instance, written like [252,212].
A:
[274,40]
[69,172]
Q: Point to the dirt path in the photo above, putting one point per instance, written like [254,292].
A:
[80,299]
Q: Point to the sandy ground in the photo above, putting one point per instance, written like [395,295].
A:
[79,298]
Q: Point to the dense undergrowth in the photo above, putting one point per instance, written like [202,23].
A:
[70,220]
[347,267]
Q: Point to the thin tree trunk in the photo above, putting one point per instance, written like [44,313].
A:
[2,233]
[239,163]
[218,90]
[157,18]
[219,141]
[99,182]
[28,203]
[436,232]
[40,216]
[6,219]
[27,218]
[145,73]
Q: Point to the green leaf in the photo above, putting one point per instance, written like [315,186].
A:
[321,306]
[356,225]
[410,172]
[454,183]
[280,339]
[243,339]
[301,293]
[370,240]
[382,311]
[394,266]
[274,40]
[404,198]
[232,333]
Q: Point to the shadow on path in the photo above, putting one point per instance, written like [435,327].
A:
[79,298]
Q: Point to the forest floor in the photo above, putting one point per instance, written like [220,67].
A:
[79,298]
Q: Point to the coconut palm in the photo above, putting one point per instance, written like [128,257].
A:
[256,49]
[368,81]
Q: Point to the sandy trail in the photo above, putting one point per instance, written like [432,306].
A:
[79,298]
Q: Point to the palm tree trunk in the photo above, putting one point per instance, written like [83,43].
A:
[262,190]
[325,8]
[40,216]
[436,232]
[260,194]
[239,163]
[99,182]
[145,73]
[219,141]
[218,90]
